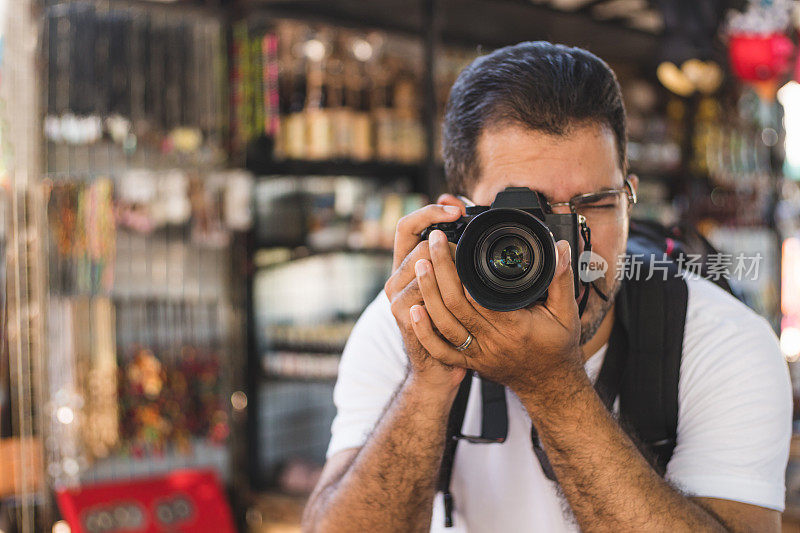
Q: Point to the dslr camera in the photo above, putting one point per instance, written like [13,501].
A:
[506,252]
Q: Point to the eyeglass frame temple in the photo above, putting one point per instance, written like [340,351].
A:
[627,188]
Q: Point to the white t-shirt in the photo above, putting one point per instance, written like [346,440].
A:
[734,419]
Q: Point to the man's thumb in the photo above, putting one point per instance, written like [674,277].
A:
[561,293]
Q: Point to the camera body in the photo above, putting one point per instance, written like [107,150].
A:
[506,253]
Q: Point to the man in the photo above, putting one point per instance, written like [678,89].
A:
[549,118]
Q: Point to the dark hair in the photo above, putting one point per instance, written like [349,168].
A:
[543,86]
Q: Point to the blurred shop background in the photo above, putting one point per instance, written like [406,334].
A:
[198,198]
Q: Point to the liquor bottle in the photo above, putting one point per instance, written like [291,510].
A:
[410,136]
[293,122]
[285,81]
[318,123]
[381,111]
[340,116]
[357,102]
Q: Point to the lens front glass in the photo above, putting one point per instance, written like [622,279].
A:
[510,257]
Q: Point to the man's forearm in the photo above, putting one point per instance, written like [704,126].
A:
[608,483]
[391,483]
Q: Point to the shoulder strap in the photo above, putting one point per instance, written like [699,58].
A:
[494,429]
[454,423]
[642,362]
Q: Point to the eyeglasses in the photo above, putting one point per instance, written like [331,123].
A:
[599,206]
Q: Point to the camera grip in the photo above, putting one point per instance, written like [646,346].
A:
[565,227]
[452,230]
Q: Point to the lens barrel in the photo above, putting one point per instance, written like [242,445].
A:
[506,259]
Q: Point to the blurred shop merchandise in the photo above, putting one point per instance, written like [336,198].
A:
[14,454]
[732,148]
[323,93]
[321,252]
[181,501]
[688,60]
[137,277]
[330,213]
[450,61]
[153,81]
[142,219]
[760,52]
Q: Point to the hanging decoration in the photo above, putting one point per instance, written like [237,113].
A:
[689,58]
[760,52]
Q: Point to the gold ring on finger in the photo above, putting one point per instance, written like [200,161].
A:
[464,345]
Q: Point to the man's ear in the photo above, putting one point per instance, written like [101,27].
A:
[634,181]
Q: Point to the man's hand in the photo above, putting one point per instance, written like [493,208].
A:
[528,350]
[389,484]
[403,291]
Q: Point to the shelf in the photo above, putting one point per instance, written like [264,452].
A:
[303,349]
[280,378]
[266,255]
[315,366]
[491,23]
[200,8]
[203,455]
[367,169]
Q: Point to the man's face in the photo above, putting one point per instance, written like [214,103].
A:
[561,167]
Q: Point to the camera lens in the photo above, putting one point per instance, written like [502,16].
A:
[506,258]
[510,257]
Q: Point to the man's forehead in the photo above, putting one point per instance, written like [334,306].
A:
[582,160]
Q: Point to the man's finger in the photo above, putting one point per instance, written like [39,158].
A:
[450,286]
[403,300]
[450,328]
[449,199]
[409,227]
[561,292]
[404,274]
[438,348]
[497,318]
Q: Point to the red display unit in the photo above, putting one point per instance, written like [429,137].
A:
[181,501]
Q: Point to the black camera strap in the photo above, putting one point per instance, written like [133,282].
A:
[586,235]
[494,429]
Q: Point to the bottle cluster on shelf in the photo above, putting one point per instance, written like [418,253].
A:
[324,338]
[733,148]
[330,212]
[321,92]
